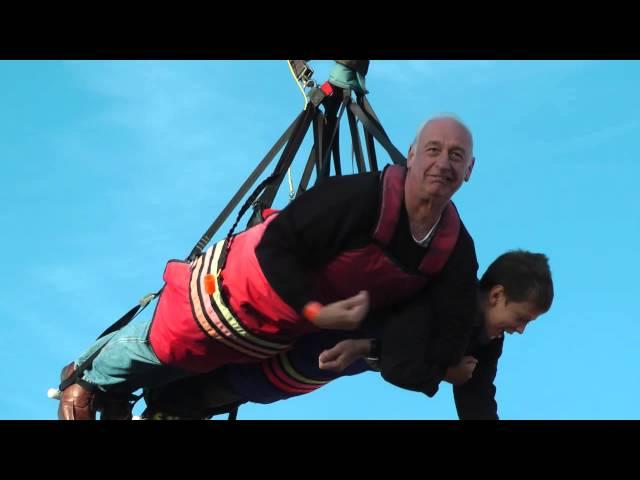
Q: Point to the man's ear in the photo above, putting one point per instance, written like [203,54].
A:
[411,155]
[470,169]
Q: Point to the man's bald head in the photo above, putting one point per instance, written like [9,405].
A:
[446,118]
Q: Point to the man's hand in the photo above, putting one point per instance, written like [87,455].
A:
[344,354]
[459,374]
[345,314]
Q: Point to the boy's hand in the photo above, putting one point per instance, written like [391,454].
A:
[343,354]
[460,374]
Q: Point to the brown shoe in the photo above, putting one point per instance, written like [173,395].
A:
[77,403]
[80,403]
[67,371]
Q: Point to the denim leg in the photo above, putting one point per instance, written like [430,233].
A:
[97,345]
[127,362]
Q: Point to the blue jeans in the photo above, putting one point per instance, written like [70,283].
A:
[127,361]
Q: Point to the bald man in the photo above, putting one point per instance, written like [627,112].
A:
[347,246]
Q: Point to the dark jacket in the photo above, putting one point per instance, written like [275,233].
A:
[412,362]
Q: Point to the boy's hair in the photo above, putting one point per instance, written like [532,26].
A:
[525,276]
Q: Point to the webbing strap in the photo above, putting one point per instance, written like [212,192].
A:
[368,138]
[266,199]
[206,237]
[355,137]
[382,138]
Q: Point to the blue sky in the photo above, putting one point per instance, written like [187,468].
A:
[110,168]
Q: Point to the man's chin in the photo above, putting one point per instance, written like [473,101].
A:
[438,191]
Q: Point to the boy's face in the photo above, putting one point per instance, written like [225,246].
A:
[502,315]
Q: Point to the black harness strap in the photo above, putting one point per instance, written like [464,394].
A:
[368,138]
[264,163]
[316,153]
[355,137]
[335,151]
[334,138]
[267,197]
[379,134]
[320,142]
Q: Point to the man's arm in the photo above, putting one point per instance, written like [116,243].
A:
[311,230]
[475,399]
[404,348]
[454,301]
[431,333]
